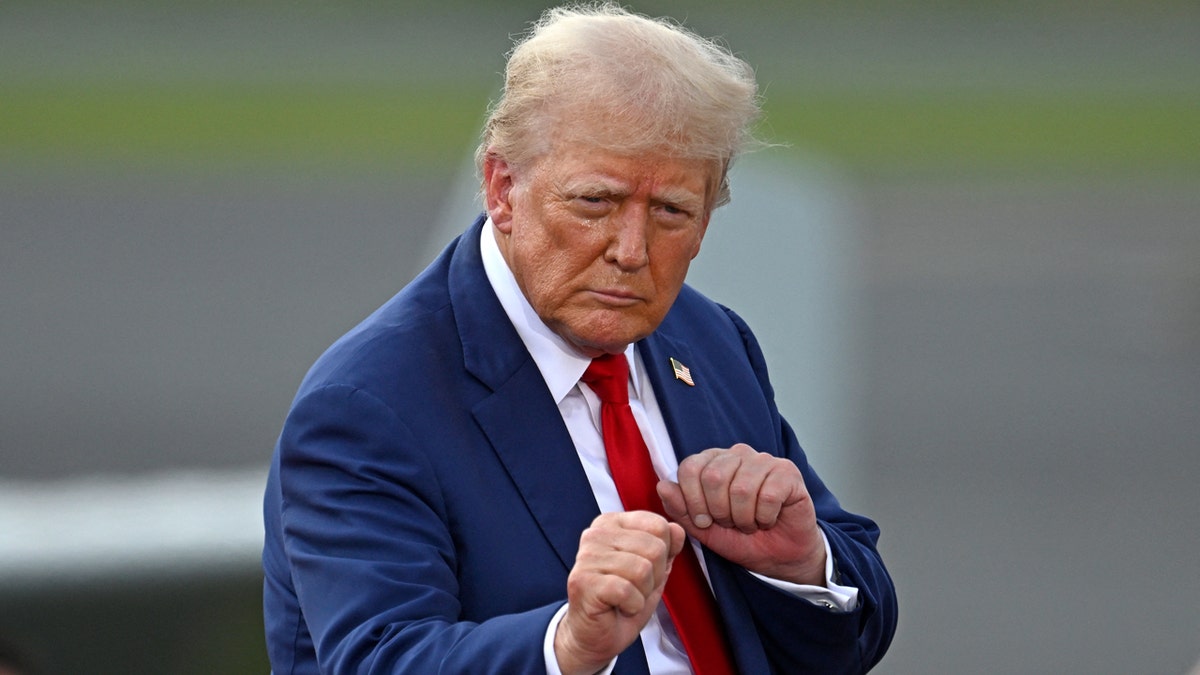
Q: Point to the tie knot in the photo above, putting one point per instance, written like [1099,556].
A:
[608,376]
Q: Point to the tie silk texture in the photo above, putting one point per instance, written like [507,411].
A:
[687,596]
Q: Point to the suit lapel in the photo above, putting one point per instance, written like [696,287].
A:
[687,409]
[519,418]
[526,430]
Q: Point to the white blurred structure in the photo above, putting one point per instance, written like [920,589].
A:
[105,527]
[784,255]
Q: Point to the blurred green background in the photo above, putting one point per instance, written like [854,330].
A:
[1048,103]
[1084,87]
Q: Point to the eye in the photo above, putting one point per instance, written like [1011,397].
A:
[591,204]
[673,212]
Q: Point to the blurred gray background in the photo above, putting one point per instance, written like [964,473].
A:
[991,284]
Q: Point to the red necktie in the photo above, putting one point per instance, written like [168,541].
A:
[687,596]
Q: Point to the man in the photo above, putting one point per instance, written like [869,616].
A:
[547,454]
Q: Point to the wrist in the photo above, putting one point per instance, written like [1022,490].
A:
[815,570]
[572,660]
[808,574]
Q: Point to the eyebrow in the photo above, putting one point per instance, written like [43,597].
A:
[611,188]
[593,186]
[679,197]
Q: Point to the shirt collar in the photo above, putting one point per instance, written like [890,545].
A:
[560,364]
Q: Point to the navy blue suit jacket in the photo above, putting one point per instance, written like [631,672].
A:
[425,500]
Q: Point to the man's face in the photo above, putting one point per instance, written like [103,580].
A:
[600,242]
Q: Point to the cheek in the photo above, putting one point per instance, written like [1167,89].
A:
[563,257]
[672,264]
[548,280]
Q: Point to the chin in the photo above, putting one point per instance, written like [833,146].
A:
[603,333]
[615,344]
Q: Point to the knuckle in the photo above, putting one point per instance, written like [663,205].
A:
[589,536]
[647,522]
[619,592]
[642,569]
[770,495]
[658,549]
[742,490]
[607,589]
[688,469]
[712,477]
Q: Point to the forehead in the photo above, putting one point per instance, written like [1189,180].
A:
[590,166]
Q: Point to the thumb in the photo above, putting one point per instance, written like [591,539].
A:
[678,540]
[676,509]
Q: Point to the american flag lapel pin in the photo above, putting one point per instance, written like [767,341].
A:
[682,372]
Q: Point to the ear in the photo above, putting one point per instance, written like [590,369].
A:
[497,191]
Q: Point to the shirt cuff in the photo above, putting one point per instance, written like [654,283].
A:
[548,646]
[833,596]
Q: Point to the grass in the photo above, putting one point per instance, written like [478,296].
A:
[362,126]
[212,125]
[997,131]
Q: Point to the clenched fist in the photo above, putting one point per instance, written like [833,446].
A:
[751,508]
[612,591]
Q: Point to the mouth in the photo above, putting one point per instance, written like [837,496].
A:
[615,297]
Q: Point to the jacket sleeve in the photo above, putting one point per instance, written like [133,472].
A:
[370,553]
[801,637]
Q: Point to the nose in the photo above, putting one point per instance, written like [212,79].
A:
[628,246]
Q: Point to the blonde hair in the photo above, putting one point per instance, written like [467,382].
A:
[650,84]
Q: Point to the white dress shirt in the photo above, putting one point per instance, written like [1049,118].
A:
[561,367]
